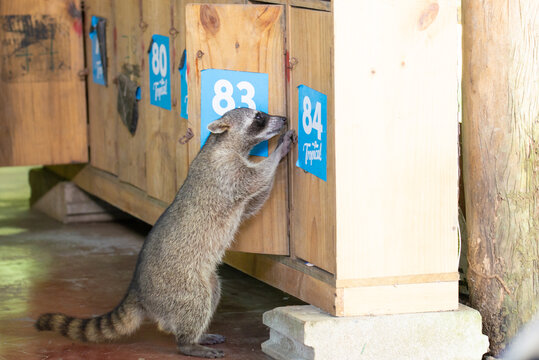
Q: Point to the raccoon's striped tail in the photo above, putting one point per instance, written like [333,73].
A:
[123,320]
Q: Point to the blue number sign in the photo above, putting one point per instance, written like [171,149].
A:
[97,39]
[183,86]
[224,90]
[160,72]
[312,132]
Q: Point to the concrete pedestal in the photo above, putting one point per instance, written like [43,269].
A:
[307,333]
[64,201]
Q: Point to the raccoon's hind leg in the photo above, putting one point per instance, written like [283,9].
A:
[212,339]
[192,321]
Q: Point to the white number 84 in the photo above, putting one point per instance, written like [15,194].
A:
[223,92]
[312,122]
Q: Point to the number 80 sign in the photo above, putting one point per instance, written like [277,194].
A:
[224,90]
[160,72]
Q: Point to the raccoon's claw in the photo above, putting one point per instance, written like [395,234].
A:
[286,141]
[290,134]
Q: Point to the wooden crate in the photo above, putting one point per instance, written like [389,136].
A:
[380,234]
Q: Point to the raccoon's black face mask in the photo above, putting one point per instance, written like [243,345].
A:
[256,126]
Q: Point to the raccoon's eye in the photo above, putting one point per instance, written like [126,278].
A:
[260,120]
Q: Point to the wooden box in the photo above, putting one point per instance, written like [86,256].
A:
[379,235]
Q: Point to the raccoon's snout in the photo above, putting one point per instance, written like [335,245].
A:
[282,120]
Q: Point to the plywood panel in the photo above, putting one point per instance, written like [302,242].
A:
[396,137]
[102,113]
[243,38]
[130,48]
[42,101]
[124,196]
[312,206]
[162,125]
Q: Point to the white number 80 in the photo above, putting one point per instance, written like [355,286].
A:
[159,59]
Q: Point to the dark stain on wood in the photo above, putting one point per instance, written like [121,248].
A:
[76,15]
[32,29]
[209,19]
[34,48]
[428,16]
[73,11]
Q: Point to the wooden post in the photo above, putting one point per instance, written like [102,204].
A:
[501,161]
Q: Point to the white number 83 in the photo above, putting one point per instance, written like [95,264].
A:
[224,90]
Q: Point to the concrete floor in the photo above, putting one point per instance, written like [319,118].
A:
[83,270]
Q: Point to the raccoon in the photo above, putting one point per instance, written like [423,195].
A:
[175,283]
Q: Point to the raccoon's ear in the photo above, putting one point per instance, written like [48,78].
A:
[218,126]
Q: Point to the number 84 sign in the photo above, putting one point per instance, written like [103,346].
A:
[312,132]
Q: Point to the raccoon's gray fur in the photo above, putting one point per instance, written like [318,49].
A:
[175,281]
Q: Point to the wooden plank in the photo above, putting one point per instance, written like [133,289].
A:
[162,125]
[102,112]
[124,196]
[398,280]
[396,138]
[312,4]
[260,49]
[312,205]
[398,299]
[42,106]
[130,49]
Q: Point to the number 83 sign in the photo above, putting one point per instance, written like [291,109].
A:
[224,90]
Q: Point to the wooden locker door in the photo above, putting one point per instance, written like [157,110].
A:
[243,38]
[312,210]
[42,95]
[102,99]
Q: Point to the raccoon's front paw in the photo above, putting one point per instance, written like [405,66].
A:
[286,141]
